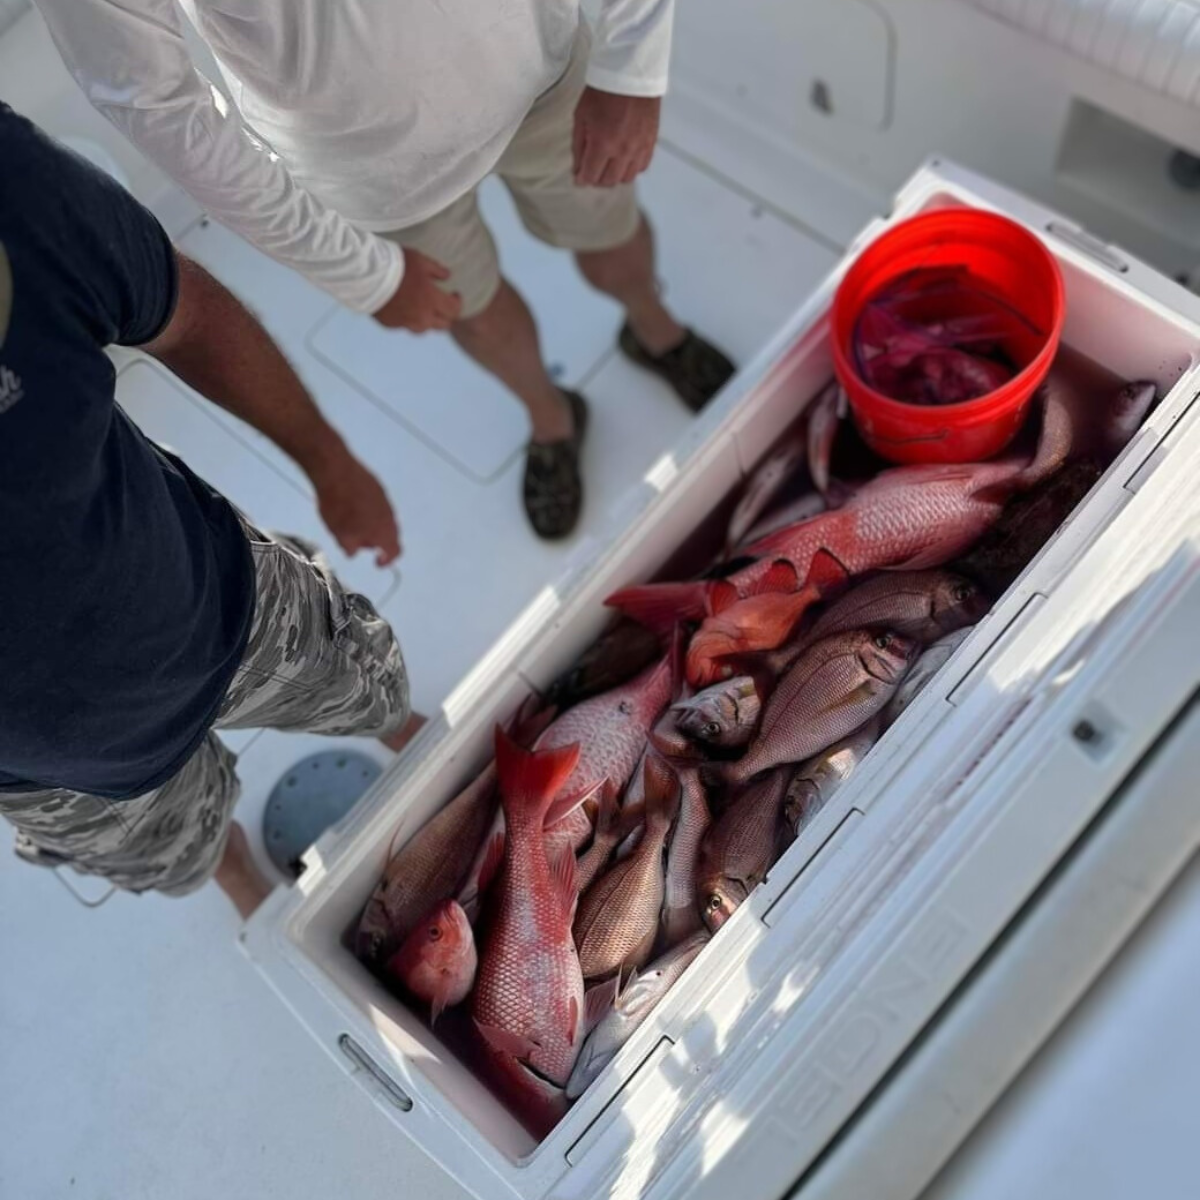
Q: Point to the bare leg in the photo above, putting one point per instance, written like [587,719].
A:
[503,339]
[405,734]
[238,875]
[627,274]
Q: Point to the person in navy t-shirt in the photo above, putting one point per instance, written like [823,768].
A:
[138,609]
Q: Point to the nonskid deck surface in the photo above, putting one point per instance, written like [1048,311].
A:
[142,1055]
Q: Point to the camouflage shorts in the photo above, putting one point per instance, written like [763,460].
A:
[319,659]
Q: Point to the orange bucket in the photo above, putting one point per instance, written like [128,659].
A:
[1004,261]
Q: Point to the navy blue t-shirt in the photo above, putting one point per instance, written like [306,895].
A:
[126,583]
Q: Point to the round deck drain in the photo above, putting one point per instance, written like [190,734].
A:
[311,796]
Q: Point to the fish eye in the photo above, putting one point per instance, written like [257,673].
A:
[883,640]
[435,933]
[964,591]
[711,729]
[714,902]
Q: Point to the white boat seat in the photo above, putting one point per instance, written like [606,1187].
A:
[1155,43]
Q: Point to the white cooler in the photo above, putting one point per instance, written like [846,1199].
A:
[852,1022]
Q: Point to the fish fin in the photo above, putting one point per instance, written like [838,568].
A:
[436,1008]
[864,691]
[505,1042]
[598,1002]
[670,743]
[722,595]
[564,806]
[677,660]
[609,815]
[659,606]
[827,572]
[531,779]
[633,816]
[530,723]
[493,860]
[756,667]
[781,576]
[562,877]
[572,1019]
[662,792]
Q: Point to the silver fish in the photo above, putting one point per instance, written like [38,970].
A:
[680,915]
[818,779]
[636,1001]
[824,419]
[923,671]
[739,850]
[924,605]
[725,714]
[836,686]
[780,468]
[811,504]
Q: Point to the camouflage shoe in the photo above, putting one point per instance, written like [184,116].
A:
[553,488]
[695,369]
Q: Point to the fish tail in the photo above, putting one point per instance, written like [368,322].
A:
[660,606]
[662,793]
[608,816]
[530,780]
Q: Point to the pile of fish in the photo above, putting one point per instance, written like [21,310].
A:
[564,891]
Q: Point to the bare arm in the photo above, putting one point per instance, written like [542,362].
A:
[131,61]
[616,122]
[217,347]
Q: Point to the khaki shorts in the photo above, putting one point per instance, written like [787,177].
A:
[537,169]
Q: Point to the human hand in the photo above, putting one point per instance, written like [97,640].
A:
[418,304]
[356,509]
[614,137]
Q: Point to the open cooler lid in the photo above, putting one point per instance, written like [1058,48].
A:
[862,932]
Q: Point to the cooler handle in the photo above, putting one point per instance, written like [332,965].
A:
[391,1090]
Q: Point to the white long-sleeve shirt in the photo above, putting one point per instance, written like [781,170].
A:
[355,115]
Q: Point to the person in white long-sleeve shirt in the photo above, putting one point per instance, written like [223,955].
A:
[362,129]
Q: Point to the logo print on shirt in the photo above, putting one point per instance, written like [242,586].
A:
[10,382]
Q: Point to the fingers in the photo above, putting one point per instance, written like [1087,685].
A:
[444,310]
[595,160]
[612,174]
[388,543]
[641,162]
[578,146]
[422,265]
[440,310]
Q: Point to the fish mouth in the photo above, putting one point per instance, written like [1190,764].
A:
[369,944]
[541,1076]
